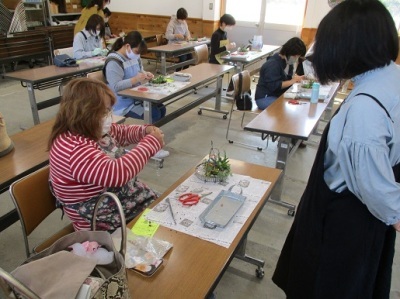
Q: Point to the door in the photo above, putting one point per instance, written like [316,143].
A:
[276,20]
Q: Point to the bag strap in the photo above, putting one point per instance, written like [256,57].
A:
[121,214]
[84,35]
[240,83]
[377,101]
[111,58]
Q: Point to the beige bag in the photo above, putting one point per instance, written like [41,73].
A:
[53,273]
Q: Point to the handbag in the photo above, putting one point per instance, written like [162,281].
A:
[63,60]
[243,99]
[60,279]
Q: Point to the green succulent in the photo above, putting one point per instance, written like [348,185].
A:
[159,80]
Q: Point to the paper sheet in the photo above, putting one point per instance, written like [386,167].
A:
[144,227]
[168,88]
[187,218]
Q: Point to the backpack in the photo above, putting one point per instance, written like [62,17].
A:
[243,99]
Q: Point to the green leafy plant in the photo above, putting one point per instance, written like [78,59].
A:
[308,84]
[158,80]
[243,48]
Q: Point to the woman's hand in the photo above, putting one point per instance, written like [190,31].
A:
[397,226]
[149,75]
[297,78]
[179,36]
[156,132]
[140,77]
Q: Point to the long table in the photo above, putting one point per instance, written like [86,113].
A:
[252,57]
[193,267]
[173,50]
[29,154]
[47,77]
[285,121]
[202,75]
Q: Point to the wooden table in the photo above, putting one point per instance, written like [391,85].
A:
[202,75]
[29,154]
[47,77]
[193,267]
[176,49]
[253,57]
[286,121]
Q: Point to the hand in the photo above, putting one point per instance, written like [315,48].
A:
[179,36]
[231,46]
[156,132]
[397,226]
[297,78]
[149,75]
[104,52]
[140,77]
[96,52]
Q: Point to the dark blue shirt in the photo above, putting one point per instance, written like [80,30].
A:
[272,74]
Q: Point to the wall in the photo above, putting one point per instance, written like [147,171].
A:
[158,7]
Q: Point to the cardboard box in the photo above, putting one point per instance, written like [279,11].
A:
[53,8]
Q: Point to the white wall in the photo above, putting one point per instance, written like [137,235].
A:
[158,7]
[316,10]
[199,9]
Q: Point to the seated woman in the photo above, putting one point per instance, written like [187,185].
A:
[276,74]
[124,69]
[89,42]
[178,30]
[87,156]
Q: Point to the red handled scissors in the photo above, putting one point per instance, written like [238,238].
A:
[189,199]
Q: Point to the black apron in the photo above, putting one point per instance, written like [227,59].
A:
[335,248]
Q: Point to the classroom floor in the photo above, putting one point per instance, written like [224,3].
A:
[188,138]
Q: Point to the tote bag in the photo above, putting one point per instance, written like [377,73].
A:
[43,278]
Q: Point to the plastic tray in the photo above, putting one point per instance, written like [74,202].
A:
[222,209]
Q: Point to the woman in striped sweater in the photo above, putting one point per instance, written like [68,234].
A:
[87,156]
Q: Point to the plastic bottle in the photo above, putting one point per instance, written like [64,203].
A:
[314,93]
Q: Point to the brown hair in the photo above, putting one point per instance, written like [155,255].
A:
[83,105]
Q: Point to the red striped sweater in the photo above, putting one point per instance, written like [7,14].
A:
[80,170]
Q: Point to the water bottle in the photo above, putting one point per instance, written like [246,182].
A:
[314,93]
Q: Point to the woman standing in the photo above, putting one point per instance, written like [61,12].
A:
[95,7]
[341,244]
[219,39]
[87,157]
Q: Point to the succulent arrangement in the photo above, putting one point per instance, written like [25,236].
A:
[243,48]
[216,168]
[307,84]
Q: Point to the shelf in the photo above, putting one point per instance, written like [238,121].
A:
[66,14]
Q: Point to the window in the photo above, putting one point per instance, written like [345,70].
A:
[280,12]
[288,12]
[394,7]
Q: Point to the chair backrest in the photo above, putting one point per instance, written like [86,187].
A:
[201,53]
[69,51]
[246,82]
[161,40]
[34,202]
[98,75]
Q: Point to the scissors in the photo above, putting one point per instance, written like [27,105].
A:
[189,199]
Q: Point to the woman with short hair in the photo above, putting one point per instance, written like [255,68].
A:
[342,241]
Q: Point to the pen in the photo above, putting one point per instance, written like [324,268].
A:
[170,209]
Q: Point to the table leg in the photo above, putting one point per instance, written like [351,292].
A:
[241,255]
[163,63]
[281,159]
[32,100]
[147,115]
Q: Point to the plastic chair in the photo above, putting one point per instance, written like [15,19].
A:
[201,54]
[35,202]
[246,86]
[8,284]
